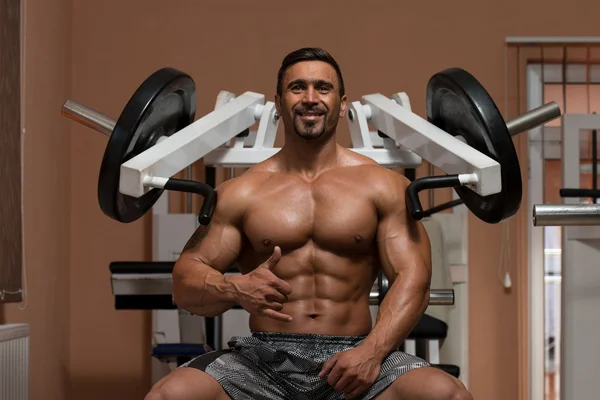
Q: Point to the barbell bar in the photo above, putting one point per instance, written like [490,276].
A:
[533,118]
[105,125]
[566,214]
[88,117]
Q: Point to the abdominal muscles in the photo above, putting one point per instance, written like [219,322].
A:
[330,293]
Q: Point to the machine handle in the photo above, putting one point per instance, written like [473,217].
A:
[206,191]
[430,182]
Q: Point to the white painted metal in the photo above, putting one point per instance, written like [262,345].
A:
[386,153]
[536,341]
[267,127]
[433,351]
[190,144]
[235,157]
[441,149]
[468,179]
[544,144]
[572,127]
[580,325]
[14,362]
[244,153]
[238,155]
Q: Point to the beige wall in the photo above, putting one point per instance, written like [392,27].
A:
[46,187]
[98,52]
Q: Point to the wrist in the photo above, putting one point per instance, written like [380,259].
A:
[378,350]
[230,287]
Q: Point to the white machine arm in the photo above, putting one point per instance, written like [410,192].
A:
[152,168]
[165,159]
[415,133]
[259,145]
[466,137]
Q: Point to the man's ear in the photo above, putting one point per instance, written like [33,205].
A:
[343,106]
[277,100]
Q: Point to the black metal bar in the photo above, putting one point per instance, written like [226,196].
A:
[212,328]
[431,182]
[442,207]
[410,173]
[579,193]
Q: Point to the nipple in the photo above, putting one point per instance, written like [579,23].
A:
[267,242]
[357,238]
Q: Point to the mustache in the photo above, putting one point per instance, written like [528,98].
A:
[303,110]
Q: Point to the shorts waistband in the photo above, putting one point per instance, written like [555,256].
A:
[305,337]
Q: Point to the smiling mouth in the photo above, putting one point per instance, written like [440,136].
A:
[309,116]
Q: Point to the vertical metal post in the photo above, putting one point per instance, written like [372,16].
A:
[594,162]
[213,324]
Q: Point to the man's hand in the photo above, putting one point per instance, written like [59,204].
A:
[261,292]
[352,371]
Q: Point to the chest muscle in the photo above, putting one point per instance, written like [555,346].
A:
[331,217]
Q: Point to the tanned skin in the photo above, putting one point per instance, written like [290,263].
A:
[310,229]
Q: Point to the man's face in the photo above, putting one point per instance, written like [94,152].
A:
[310,102]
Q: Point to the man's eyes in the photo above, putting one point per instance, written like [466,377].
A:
[322,88]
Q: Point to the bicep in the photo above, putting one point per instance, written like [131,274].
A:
[403,244]
[217,245]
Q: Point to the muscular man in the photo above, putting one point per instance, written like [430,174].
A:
[309,228]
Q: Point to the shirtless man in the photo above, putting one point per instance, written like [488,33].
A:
[310,229]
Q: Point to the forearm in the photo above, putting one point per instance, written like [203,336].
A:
[202,290]
[400,310]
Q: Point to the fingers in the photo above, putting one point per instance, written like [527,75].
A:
[327,367]
[274,305]
[282,286]
[276,296]
[279,284]
[341,384]
[276,315]
[274,259]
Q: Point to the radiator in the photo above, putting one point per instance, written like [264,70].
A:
[14,361]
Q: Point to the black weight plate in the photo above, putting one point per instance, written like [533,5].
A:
[459,104]
[162,105]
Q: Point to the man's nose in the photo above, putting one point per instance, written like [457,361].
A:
[310,96]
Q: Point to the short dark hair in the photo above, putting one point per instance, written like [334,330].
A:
[309,54]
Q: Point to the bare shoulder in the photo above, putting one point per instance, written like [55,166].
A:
[384,184]
[235,194]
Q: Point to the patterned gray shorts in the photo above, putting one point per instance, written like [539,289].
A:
[272,366]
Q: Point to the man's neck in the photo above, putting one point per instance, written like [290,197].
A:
[308,158]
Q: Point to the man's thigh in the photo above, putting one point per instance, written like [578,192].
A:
[187,384]
[239,376]
[427,383]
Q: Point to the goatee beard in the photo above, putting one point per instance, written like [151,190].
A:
[309,131]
